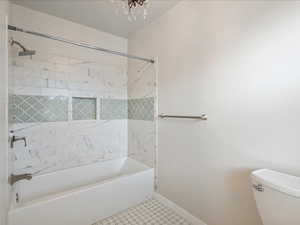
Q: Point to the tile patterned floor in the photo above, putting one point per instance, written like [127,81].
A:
[150,212]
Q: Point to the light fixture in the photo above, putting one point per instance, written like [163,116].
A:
[132,8]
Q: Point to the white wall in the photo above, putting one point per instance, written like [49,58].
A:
[238,62]
[3,112]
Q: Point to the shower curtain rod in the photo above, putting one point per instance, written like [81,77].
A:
[84,45]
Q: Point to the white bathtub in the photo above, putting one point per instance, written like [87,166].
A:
[83,195]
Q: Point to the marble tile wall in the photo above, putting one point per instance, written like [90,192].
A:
[142,141]
[142,123]
[61,145]
[61,70]
[74,113]
[46,95]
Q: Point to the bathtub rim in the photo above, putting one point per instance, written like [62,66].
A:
[39,174]
[55,196]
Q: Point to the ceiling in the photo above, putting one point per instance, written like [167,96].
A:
[99,14]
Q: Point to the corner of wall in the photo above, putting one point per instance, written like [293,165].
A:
[4,194]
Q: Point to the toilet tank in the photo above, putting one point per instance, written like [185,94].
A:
[277,197]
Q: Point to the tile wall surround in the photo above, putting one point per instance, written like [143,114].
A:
[142,102]
[47,85]
[142,141]
[61,145]
[70,139]
[58,70]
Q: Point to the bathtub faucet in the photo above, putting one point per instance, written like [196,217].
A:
[15,178]
[15,139]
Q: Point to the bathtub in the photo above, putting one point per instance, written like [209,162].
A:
[82,195]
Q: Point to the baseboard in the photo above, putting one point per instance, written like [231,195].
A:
[182,212]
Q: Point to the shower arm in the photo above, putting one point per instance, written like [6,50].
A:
[19,44]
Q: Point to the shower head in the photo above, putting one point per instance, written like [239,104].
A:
[27,53]
[24,52]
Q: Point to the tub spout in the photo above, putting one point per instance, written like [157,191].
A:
[15,178]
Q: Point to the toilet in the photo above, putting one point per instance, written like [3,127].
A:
[277,197]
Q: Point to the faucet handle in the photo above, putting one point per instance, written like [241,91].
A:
[14,139]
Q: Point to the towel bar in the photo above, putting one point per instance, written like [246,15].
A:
[202,117]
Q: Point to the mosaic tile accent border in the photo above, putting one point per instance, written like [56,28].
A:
[84,108]
[141,109]
[31,108]
[112,109]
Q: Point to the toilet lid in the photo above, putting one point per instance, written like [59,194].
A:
[279,181]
